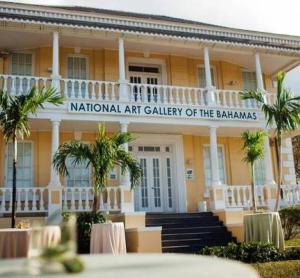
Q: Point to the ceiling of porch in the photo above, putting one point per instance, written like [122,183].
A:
[26,39]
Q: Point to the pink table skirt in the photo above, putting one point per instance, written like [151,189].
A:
[15,243]
[108,238]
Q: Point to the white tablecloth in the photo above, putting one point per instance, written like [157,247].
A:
[15,243]
[108,238]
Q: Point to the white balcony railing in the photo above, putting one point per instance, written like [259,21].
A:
[81,199]
[290,194]
[239,196]
[33,199]
[95,90]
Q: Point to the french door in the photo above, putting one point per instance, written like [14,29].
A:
[155,192]
[145,75]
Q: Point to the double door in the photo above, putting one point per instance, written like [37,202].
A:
[155,192]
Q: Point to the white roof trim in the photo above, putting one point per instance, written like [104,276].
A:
[32,10]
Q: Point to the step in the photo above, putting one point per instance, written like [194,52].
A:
[195,248]
[153,215]
[196,241]
[207,223]
[199,219]
[194,229]
[202,235]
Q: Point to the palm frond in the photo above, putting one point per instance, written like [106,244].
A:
[76,151]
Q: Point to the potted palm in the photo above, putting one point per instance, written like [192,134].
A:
[106,153]
[254,151]
[283,115]
[14,123]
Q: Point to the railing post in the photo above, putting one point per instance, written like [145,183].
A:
[210,89]
[54,187]
[123,89]
[127,200]
[55,62]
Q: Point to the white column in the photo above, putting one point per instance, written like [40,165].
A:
[123,90]
[268,163]
[214,157]
[259,76]
[217,189]
[127,198]
[209,87]
[55,62]
[54,187]
[55,144]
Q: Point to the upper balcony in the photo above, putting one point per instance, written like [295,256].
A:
[172,76]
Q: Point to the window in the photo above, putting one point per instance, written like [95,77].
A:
[207,165]
[249,80]
[21,64]
[79,174]
[77,69]
[259,172]
[202,79]
[24,165]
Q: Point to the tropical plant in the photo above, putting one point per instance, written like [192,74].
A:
[296,152]
[15,112]
[254,151]
[283,115]
[290,219]
[103,156]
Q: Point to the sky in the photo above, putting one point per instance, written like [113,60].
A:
[274,16]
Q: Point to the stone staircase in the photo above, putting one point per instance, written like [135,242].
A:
[189,232]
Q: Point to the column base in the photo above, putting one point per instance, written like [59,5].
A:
[54,204]
[217,198]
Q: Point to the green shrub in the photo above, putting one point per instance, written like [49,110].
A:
[290,218]
[246,252]
[85,220]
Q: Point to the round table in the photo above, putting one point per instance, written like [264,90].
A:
[264,227]
[16,243]
[146,266]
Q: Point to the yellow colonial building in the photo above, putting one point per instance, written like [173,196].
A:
[173,83]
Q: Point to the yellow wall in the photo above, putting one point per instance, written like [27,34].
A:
[237,172]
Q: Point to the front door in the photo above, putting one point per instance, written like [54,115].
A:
[155,192]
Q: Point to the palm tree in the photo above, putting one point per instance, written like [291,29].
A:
[283,115]
[254,151]
[103,156]
[14,123]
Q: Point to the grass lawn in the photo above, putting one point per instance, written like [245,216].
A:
[293,242]
[285,269]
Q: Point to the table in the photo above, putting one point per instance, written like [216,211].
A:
[108,238]
[264,227]
[15,243]
[144,265]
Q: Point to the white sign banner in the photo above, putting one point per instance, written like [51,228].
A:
[162,111]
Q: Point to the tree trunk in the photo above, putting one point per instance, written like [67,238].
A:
[95,202]
[279,178]
[14,184]
[253,189]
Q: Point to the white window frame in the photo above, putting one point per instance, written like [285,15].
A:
[78,56]
[215,77]
[148,62]
[32,163]
[248,71]
[224,162]
[23,52]
[90,174]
